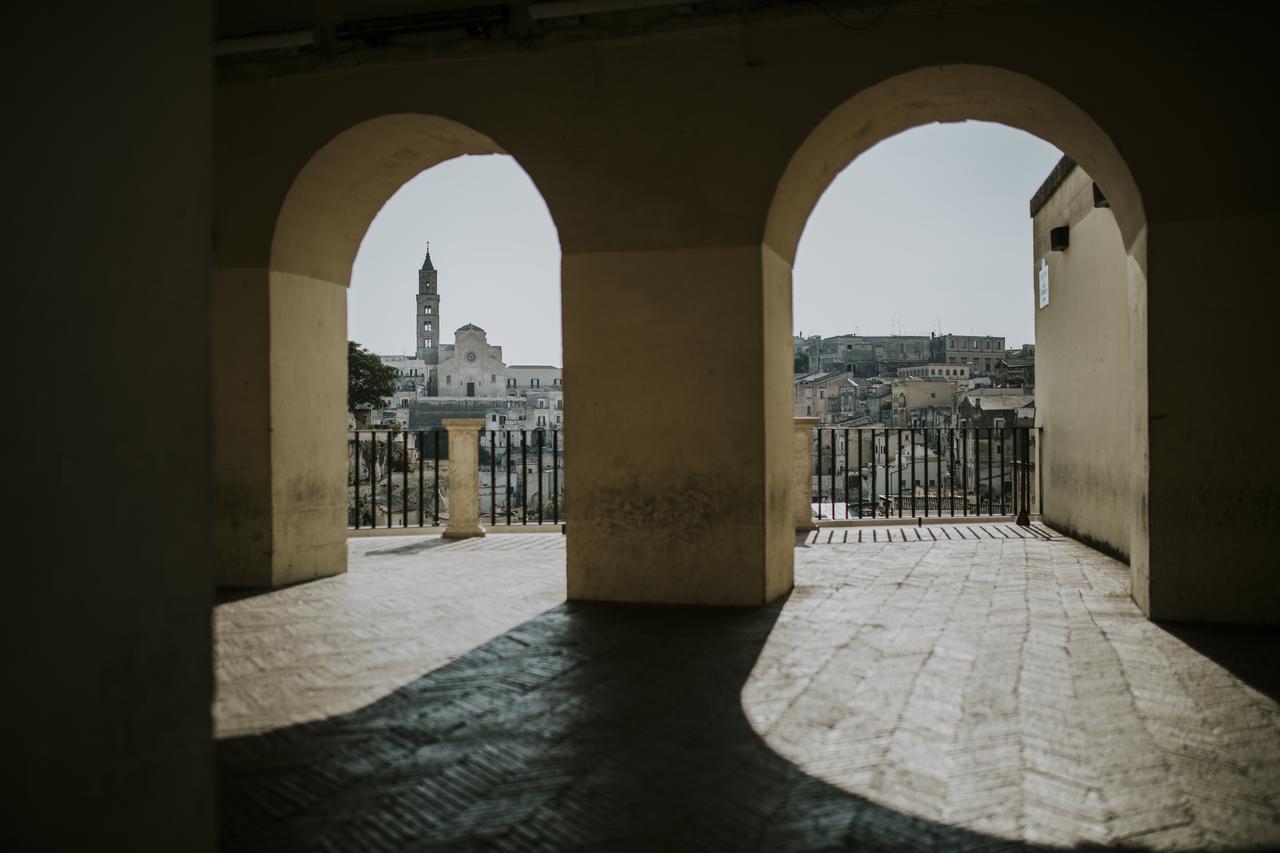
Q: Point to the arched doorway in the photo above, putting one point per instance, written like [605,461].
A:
[280,386]
[964,92]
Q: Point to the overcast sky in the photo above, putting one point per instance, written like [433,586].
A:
[495,246]
[928,227]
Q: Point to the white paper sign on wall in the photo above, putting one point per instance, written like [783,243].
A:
[1044,283]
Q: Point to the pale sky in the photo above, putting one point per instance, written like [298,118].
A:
[496,248]
[930,225]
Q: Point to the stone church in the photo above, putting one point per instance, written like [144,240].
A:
[470,366]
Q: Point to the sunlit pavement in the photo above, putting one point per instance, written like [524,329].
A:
[966,694]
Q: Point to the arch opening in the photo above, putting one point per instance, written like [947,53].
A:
[469,322]
[283,440]
[963,93]
[828,743]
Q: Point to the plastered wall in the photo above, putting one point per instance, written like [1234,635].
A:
[719,138]
[1083,369]
[109,577]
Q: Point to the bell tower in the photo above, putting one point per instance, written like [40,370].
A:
[428,319]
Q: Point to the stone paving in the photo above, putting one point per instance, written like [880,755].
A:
[964,694]
[407,606]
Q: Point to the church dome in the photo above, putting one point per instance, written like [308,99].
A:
[470,327]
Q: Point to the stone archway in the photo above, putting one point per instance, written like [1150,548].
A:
[280,437]
[951,93]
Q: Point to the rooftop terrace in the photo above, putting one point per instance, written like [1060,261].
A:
[963,693]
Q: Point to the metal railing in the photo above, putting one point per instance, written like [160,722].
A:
[923,472]
[538,452]
[400,478]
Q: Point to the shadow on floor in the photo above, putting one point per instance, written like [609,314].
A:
[1249,652]
[417,546]
[589,726]
[228,594]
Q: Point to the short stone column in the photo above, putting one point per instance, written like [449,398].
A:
[802,465]
[464,477]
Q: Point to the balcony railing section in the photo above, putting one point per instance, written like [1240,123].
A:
[400,479]
[923,472]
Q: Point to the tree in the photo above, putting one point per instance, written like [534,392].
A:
[369,381]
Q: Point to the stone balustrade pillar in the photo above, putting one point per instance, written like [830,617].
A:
[802,465]
[464,477]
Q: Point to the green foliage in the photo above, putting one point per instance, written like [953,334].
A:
[369,381]
[801,363]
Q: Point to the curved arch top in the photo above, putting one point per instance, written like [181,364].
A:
[946,93]
[343,186]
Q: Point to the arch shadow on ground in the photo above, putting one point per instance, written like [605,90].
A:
[609,727]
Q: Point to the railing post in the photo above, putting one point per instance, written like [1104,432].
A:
[1037,481]
[1022,480]
[802,465]
[464,477]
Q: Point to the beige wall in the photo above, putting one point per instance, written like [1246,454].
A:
[925,392]
[308,443]
[108,568]
[693,159]
[1083,369]
[1214,561]
[241,390]
[661,507]
[638,165]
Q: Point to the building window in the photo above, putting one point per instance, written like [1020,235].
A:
[429,311]
[559,419]
[448,380]
[534,383]
[427,343]
[511,383]
[493,379]
[556,381]
[542,420]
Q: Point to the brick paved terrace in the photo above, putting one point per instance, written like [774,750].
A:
[972,693]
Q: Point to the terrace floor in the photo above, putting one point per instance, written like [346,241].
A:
[962,693]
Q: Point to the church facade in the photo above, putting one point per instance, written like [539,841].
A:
[472,367]
[469,367]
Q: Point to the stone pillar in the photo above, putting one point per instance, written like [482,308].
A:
[464,477]
[686,501]
[802,464]
[279,361]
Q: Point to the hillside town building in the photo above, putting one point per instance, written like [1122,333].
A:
[466,378]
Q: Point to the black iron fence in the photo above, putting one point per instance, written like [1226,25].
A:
[526,476]
[400,478]
[923,472]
